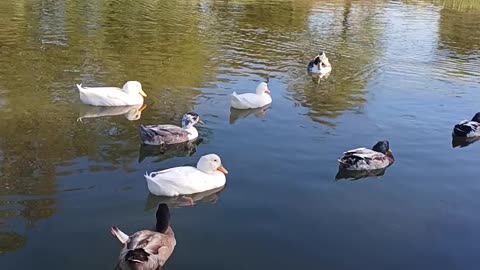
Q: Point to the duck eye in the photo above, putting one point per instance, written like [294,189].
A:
[215,160]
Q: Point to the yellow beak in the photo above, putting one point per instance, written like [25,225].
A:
[142,93]
[201,122]
[222,169]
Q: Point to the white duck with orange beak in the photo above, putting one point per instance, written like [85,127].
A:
[252,101]
[209,174]
[130,94]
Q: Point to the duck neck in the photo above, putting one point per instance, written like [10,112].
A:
[193,133]
[163,218]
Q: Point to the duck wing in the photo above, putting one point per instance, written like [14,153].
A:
[314,63]
[246,101]
[147,247]
[363,159]
[163,134]
[103,96]
[177,181]
[467,129]
[156,244]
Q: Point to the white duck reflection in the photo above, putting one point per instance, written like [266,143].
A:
[207,197]
[236,114]
[132,113]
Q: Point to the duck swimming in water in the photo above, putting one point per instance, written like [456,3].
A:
[319,64]
[209,174]
[130,94]
[468,129]
[378,157]
[170,134]
[146,249]
[260,99]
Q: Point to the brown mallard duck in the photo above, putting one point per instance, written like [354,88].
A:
[146,249]
[379,157]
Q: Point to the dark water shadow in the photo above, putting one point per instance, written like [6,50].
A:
[206,197]
[168,151]
[461,142]
[11,242]
[357,175]
[237,114]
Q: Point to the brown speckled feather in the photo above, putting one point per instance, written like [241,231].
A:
[159,246]
[163,134]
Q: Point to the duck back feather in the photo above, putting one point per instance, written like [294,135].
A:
[249,100]
[467,129]
[163,134]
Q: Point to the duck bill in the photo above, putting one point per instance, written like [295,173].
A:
[144,106]
[142,93]
[389,152]
[267,91]
[222,169]
[201,122]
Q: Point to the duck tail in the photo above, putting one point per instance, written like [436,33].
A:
[234,97]
[150,176]
[121,236]
[80,88]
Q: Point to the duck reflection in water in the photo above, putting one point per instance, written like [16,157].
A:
[164,152]
[147,249]
[206,197]
[318,78]
[236,114]
[357,175]
[132,113]
[463,142]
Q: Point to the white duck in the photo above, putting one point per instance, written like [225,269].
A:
[251,101]
[130,94]
[320,64]
[208,174]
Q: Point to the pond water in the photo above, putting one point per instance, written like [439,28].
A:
[405,71]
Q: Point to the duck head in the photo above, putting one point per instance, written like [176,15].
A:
[211,163]
[134,87]
[382,147]
[476,117]
[323,59]
[191,118]
[262,88]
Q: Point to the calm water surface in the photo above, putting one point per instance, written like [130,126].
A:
[405,71]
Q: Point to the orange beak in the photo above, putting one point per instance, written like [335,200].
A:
[144,106]
[222,169]
[267,91]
